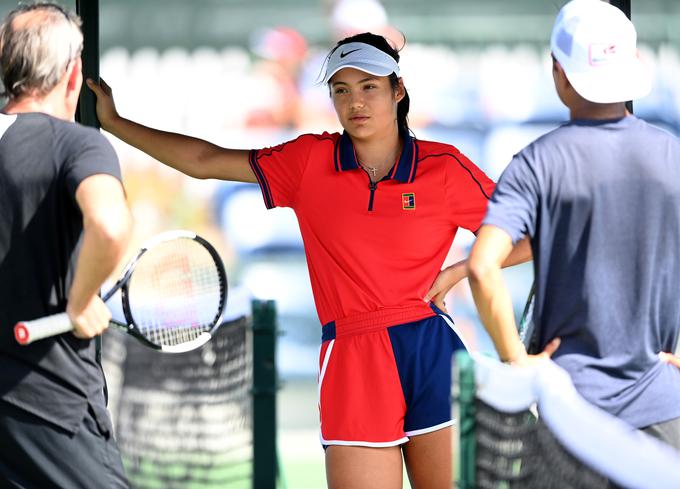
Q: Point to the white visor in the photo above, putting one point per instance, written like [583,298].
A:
[363,57]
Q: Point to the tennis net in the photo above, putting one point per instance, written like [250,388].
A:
[185,420]
[528,428]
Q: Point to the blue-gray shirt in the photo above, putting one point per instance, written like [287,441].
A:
[600,201]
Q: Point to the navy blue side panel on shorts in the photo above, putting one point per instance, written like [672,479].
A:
[424,351]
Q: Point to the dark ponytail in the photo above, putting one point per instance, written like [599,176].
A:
[402,107]
[381,43]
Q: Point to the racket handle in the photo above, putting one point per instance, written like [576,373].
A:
[27,332]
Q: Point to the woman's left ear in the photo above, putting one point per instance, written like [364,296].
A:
[400,91]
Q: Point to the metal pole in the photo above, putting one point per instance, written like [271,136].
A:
[624,5]
[466,469]
[264,395]
[88,10]
[86,113]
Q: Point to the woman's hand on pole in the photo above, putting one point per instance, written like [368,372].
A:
[106,106]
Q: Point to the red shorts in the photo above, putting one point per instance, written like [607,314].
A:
[380,385]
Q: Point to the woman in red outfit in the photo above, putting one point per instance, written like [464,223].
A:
[378,211]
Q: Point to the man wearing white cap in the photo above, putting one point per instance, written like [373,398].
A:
[599,198]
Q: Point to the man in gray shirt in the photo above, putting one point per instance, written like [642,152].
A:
[599,198]
[64,226]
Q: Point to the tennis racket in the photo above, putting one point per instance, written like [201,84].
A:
[171,296]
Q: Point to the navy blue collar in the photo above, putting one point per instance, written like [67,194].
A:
[404,170]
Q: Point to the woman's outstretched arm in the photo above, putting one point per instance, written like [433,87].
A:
[192,156]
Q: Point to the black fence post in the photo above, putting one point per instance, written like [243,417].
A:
[264,395]
[86,112]
[624,5]
[464,397]
[88,10]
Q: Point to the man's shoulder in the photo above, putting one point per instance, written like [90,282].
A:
[535,152]
[562,134]
[653,130]
[590,134]
[75,128]
[31,121]
[48,125]
[74,137]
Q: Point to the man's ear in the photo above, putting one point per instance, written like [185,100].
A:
[560,75]
[75,75]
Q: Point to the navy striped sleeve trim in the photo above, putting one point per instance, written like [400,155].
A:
[479,184]
[261,180]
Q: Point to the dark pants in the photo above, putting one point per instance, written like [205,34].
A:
[668,432]
[38,454]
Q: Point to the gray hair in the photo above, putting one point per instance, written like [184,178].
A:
[36,52]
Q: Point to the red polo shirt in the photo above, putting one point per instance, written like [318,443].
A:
[373,250]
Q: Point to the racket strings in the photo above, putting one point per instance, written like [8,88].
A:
[175,292]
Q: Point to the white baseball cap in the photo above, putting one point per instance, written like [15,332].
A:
[363,57]
[596,45]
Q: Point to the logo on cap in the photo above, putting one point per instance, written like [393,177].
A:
[600,54]
[343,54]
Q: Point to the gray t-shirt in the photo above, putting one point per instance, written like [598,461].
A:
[43,160]
[600,201]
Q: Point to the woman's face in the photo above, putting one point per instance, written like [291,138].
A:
[366,104]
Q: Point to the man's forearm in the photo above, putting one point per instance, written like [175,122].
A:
[492,250]
[496,313]
[102,249]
